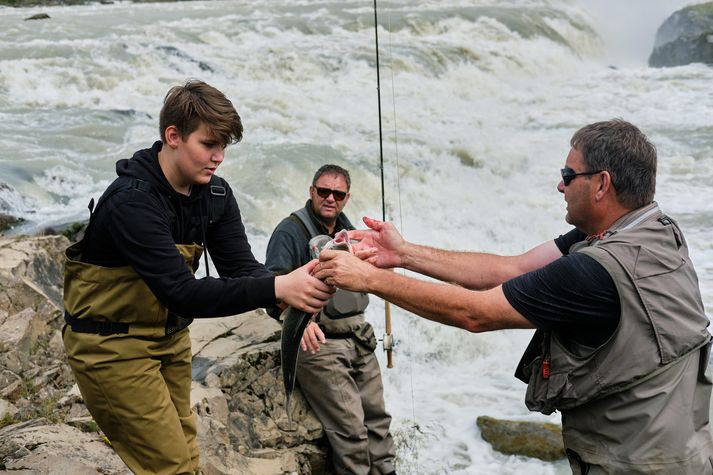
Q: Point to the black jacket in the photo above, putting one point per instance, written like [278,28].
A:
[141,227]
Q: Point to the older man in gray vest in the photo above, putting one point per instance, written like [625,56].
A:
[621,346]
[337,370]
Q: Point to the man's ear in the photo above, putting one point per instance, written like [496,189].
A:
[605,185]
[173,137]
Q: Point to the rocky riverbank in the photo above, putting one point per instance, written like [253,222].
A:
[237,392]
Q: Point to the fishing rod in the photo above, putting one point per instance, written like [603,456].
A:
[388,340]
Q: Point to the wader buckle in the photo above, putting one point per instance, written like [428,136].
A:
[105,328]
[216,190]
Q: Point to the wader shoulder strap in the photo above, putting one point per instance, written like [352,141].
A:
[123,185]
[301,216]
[132,183]
[217,195]
[217,200]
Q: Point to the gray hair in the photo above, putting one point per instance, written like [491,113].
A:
[332,170]
[620,148]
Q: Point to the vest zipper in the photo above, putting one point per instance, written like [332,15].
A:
[546,356]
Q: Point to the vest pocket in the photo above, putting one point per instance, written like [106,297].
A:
[655,277]
[545,395]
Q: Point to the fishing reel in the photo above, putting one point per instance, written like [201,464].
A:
[389,342]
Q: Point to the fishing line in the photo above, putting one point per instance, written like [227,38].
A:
[415,425]
[401,222]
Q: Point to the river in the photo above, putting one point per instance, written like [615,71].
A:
[479,97]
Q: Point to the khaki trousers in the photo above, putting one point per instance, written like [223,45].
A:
[345,391]
[138,391]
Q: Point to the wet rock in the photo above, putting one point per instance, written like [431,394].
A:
[38,16]
[531,439]
[685,37]
[7,221]
[74,231]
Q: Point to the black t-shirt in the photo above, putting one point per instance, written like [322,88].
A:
[573,295]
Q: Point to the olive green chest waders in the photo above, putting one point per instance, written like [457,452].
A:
[132,361]
[638,404]
[342,383]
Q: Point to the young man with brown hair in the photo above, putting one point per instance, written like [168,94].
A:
[130,291]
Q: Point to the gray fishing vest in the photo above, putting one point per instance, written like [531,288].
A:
[344,313]
[639,403]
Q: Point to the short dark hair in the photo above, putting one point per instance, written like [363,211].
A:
[332,170]
[620,148]
[195,103]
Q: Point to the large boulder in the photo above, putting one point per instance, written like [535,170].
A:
[531,439]
[34,371]
[238,387]
[685,37]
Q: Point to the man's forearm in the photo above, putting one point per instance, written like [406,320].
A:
[447,304]
[473,270]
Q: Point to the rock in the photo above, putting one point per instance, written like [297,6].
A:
[32,274]
[531,439]
[238,383]
[72,396]
[38,16]
[22,331]
[7,409]
[685,37]
[13,390]
[74,231]
[7,221]
[43,448]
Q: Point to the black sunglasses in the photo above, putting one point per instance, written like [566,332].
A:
[568,174]
[325,192]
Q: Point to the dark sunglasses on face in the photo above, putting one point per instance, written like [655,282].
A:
[568,175]
[325,192]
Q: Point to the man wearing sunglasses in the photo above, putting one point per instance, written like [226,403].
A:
[621,346]
[337,369]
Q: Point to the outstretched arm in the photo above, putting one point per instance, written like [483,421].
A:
[383,246]
[443,303]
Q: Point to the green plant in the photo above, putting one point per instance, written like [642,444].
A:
[6,420]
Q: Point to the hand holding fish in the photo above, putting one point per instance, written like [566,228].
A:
[380,245]
[344,270]
[301,290]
